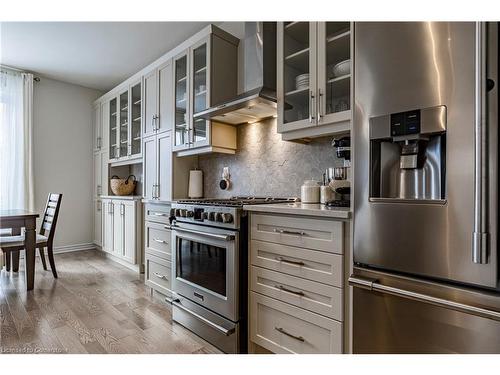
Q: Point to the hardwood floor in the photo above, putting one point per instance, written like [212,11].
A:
[96,306]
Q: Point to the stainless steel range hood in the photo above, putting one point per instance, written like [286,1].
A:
[258,100]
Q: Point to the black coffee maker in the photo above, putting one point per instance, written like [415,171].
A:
[341,180]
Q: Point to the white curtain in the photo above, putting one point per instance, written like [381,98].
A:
[16,140]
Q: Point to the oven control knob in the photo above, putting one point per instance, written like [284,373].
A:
[177,212]
[227,218]
[211,216]
[183,213]
[204,215]
[218,217]
[190,214]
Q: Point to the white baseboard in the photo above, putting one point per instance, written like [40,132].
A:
[68,248]
[71,248]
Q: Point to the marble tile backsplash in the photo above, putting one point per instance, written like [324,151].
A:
[264,165]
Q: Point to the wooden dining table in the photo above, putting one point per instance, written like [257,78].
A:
[16,220]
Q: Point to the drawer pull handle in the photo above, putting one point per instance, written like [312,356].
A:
[160,276]
[298,263]
[158,214]
[281,330]
[283,231]
[160,241]
[297,292]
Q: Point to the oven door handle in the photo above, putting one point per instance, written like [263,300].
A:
[374,285]
[225,237]
[215,326]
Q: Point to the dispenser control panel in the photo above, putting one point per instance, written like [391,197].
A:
[405,123]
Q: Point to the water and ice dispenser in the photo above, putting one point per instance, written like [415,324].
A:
[408,155]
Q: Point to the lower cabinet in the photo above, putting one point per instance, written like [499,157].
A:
[296,278]
[283,328]
[158,248]
[121,229]
[98,222]
[158,274]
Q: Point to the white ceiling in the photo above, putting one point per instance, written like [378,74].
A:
[98,55]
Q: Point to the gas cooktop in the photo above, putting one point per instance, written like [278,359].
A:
[238,201]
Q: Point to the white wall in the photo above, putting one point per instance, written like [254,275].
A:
[63,157]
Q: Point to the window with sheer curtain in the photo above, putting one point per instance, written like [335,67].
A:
[16,140]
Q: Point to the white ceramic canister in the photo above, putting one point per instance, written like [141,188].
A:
[309,192]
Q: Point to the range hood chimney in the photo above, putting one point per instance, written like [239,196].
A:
[258,100]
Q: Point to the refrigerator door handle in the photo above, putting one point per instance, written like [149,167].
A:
[480,236]
[374,285]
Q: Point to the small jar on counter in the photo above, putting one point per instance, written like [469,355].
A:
[309,192]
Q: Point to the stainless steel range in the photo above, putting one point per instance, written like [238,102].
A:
[209,261]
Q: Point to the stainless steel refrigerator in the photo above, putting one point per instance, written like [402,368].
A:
[426,262]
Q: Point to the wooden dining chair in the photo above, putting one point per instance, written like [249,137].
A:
[11,245]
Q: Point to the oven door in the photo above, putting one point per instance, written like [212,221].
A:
[205,263]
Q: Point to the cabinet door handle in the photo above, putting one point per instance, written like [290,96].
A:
[157,191]
[281,330]
[122,209]
[153,191]
[153,123]
[157,117]
[320,100]
[311,103]
[160,241]
[160,276]
[297,292]
[284,231]
[296,262]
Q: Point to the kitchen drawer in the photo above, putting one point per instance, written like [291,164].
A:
[319,298]
[158,274]
[308,264]
[157,240]
[158,213]
[282,328]
[317,234]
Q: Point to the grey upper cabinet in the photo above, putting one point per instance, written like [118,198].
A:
[125,123]
[150,166]
[157,167]
[314,88]
[150,83]
[296,75]
[204,74]
[97,127]
[158,100]
[165,102]
[113,126]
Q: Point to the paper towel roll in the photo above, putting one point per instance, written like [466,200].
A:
[195,189]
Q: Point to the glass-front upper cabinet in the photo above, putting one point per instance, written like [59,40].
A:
[125,125]
[334,71]
[123,131]
[199,72]
[113,126]
[199,83]
[297,75]
[314,78]
[135,116]
[181,97]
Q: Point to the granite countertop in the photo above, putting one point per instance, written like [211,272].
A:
[128,197]
[319,210]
